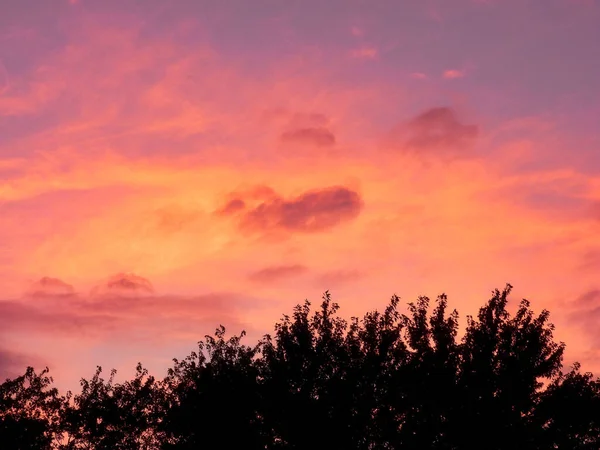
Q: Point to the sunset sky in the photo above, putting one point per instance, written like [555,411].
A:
[170,165]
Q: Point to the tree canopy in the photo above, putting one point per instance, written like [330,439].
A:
[389,380]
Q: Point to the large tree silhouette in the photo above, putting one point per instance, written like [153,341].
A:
[386,381]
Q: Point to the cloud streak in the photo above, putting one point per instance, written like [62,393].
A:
[318,137]
[276,273]
[364,53]
[123,306]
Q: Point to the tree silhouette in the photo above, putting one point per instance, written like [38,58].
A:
[30,412]
[211,397]
[569,412]
[105,415]
[385,381]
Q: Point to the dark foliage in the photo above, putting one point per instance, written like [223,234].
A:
[30,412]
[386,381]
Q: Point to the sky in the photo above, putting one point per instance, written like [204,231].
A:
[167,166]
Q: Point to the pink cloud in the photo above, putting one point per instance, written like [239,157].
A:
[418,75]
[318,136]
[55,315]
[124,284]
[4,79]
[336,278]
[357,31]
[584,312]
[434,14]
[125,305]
[275,273]
[50,287]
[13,364]
[436,131]
[453,74]
[313,211]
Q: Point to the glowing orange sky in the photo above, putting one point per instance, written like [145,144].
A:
[169,166]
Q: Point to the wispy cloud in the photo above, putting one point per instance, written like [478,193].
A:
[364,53]
[357,31]
[452,74]
[275,273]
[320,137]
[435,132]
[124,305]
[13,364]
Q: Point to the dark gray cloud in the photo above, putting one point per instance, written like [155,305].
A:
[313,211]
[275,273]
